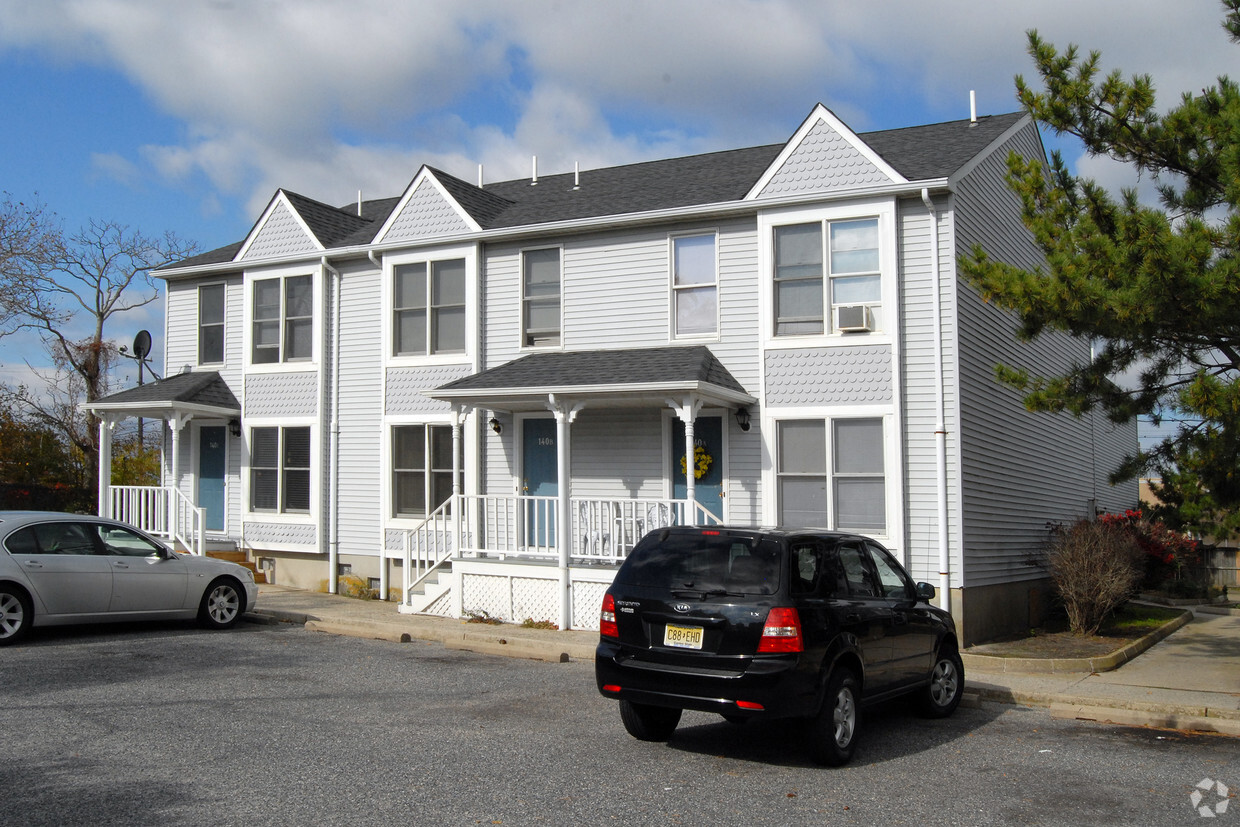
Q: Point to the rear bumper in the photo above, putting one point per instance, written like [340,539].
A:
[770,686]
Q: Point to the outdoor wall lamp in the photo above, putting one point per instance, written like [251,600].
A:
[234,427]
[742,418]
[495,426]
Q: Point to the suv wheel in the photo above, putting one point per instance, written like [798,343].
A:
[941,696]
[649,723]
[835,729]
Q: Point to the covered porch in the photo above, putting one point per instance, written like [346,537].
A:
[555,534]
[168,510]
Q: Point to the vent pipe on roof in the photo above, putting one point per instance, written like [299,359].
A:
[359,203]
[534,171]
[480,176]
[576,175]
[972,107]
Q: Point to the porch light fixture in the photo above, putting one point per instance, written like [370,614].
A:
[234,427]
[742,418]
[495,426]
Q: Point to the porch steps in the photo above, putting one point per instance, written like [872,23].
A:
[435,586]
[241,559]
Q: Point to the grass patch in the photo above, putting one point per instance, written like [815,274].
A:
[1130,622]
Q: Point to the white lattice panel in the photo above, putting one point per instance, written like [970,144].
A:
[587,602]
[534,598]
[482,593]
[441,607]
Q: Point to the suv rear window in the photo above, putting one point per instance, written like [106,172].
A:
[706,562]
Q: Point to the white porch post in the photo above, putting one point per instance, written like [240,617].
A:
[456,480]
[105,467]
[176,423]
[564,416]
[688,413]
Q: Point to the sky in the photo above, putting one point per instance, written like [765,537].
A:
[186,117]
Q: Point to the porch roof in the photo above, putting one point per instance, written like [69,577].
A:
[630,378]
[203,393]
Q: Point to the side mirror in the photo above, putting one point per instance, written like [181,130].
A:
[925,592]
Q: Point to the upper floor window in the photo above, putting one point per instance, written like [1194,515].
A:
[840,486]
[210,324]
[429,308]
[831,265]
[280,469]
[694,285]
[540,297]
[283,320]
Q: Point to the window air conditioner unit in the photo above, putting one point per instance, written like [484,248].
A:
[852,318]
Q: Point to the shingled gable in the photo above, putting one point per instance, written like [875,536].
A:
[631,376]
[917,153]
[429,208]
[204,393]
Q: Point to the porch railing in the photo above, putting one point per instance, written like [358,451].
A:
[161,511]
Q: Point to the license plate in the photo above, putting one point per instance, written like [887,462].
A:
[683,637]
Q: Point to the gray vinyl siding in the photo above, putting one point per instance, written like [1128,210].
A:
[618,454]
[919,413]
[1019,470]
[360,414]
[281,235]
[282,394]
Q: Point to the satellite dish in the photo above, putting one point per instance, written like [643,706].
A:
[142,344]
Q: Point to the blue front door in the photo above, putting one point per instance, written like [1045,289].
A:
[539,479]
[708,481]
[212,461]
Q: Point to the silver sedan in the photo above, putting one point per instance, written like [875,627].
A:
[60,569]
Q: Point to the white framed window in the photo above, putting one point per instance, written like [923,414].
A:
[695,290]
[280,469]
[831,473]
[421,468]
[541,297]
[210,324]
[429,307]
[827,277]
[282,319]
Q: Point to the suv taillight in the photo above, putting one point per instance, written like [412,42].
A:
[607,618]
[782,632]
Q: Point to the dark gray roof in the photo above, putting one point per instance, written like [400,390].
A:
[603,368]
[205,388]
[917,153]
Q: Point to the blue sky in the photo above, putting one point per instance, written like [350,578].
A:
[187,116]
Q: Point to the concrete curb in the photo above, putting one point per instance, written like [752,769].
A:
[1102,663]
[1159,719]
[1218,610]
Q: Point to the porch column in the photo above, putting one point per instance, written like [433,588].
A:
[456,480]
[564,413]
[105,466]
[176,423]
[687,413]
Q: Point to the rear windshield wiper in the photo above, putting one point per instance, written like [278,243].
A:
[704,593]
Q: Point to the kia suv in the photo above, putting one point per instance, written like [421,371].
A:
[765,624]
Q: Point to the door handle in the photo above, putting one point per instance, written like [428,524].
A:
[31,564]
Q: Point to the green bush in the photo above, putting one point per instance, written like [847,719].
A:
[1096,567]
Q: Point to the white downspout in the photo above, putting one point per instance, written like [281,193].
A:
[333,449]
[383,554]
[940,425]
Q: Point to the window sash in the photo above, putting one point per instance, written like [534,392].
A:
[210,324]
[853,483]
[280,469]
[695,285]
[839,258]
[541,297]
[282,320]
[421,468]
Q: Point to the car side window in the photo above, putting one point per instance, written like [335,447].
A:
[857,572]
[22,541]
[806,567]
[121,542]
[63,538]
[891,578]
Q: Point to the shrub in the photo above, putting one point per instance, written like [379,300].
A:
[1171,562]
[1096,567]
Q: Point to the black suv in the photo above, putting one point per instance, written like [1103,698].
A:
[771,624]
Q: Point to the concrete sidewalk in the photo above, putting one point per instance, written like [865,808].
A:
[1189,680]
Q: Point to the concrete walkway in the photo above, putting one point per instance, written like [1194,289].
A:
[1189,680]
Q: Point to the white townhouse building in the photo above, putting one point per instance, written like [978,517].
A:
[481,395]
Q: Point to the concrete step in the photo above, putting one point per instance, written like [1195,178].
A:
[240,558]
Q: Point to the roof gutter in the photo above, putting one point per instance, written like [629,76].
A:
[577,225]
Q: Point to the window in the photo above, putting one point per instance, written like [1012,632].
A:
[280,469]
[429,313]
[694,289]
[421,468]
[283,320]
[210,324]
[853,284]
[540,310]
[853,482]
[893,582]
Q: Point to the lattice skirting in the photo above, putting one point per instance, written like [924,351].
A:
[515,598]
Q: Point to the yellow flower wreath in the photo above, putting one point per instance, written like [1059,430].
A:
[701,462]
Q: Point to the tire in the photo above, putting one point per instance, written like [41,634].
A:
[16,615]
[941,696]
[838,724]
[222,604]
[649,723]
